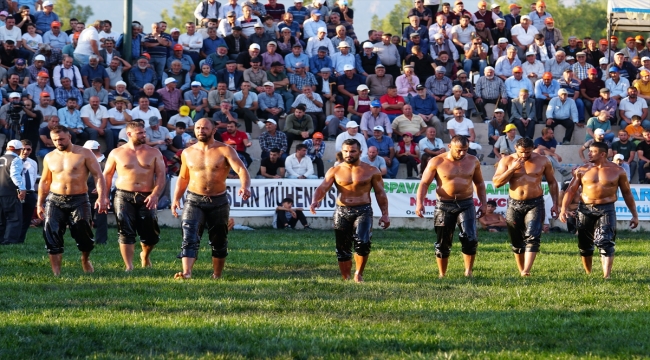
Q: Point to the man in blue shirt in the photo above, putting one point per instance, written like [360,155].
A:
[562,110]
[386,149]
[44,18]
[545,89]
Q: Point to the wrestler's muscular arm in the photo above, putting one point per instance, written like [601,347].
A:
[109,169]
[95,170]
[240,169]
[43,188]
[159,187]
[480,188]
[570,193]
[552,186]
[507,167]
[382,199]
[624,185]
[181,184]
[427,178]
[324,187]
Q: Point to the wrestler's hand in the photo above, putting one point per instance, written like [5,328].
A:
[419,210]
[481,211]
[151,201]
[517,164]
[634,222]
[314,205]
[563,216]
[554,212]
[40,212]
[102,205]
[176,205]
[384,221]
[245,193]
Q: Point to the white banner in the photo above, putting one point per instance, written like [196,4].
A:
[266,195]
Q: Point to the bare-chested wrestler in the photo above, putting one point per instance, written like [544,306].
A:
[523,170]
[64,184]
[454,173]
[140,181]
[205,166]
[596,215]
[353,214]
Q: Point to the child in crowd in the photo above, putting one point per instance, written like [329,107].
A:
[635,130]
[490,221]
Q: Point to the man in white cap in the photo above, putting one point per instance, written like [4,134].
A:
[348,83]
[533,68]
[318,40]
[260,37]
[12,193]
[313,25]
[523,35]
[100,221]
[352,132]
[344,58]
[244,58]
[562,110]
[368,59]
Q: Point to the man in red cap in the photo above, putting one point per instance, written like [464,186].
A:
[41,85]
[56,38]
[613,43]
[315,151]
[187,63]
[590,89]
[546,88]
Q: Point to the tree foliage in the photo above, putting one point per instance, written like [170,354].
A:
[67,9]
[583,18]
[183,12]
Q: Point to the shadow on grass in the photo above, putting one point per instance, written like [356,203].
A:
[545,333]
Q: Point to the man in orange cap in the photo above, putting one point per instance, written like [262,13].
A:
[315,151]
[539,15]
[552,34]
[55,37]
[643,85]
[484,14]
[513,18]
[613,43]
[41,85]
[630,51]
[546,88]
[640,41]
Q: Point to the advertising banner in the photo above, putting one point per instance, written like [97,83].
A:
[266,195]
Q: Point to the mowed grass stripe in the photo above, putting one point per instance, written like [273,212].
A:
[281,297]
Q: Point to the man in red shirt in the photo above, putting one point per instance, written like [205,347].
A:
[240,138]
[392,104]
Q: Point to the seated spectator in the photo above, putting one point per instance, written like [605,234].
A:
[172,98]
[45,144]
[392,104]
[557,65]
[635,130]
[223,117]
[182,116]
[439,86]
[197,100]
[144,111]
[108,53]
[373,118]
[97,90]
[256,75]
[408,152]
[217,60]
[118,117]
[544,52]
[240,139]
[461,125]
[632,105]
[45,108]
[296,57]
[408,123]
[374,160]
[319,61]
[492,222]
[562,110]
[505,65]
[499,50]
[352,132]
[140,75]
[116,69]
[232,77]
[572,86]
[440,44]
[490,90]
[315,151]
[95,119]
[301,77]
[496,127]
[21,70]
[386,150]
[505,145]
[626,149]
[425,106]
[533,68]
[599,122]
[616,84]
[522,114]
[92,71]
[546,145]
[67,69]
[327,87]
[643,85]
[287,216]
[211,42]
[273,139]
[335,123]
[55,37]
[359,104]
[299,165]
[36,68]
[207,79]
[185,60]
[348,82]
[299,125]
[476,53]
[319,40]
[590,89]
[70,117]
[314,106]
[605,104]
[36,89]
[454,101]
[378,82]
[120,91]
[277,76]
[159,137]
[619,160]
[430,146]
[271,104]
[407,83]
[65,92]
[271,167]
[181,139]
[545,89]
[515,83]
[599,136]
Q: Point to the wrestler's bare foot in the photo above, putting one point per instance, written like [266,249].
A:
[525,273]
[441,275]
[216,277]
[146,262]
[468,273]
[358,278]
[87,266]
[607,277]
[180,275]
[128,269]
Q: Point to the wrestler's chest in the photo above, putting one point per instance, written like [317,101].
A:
[66,163]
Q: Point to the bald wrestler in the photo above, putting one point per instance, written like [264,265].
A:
[353,214]
[454,172]
[140,182]
[64,185]
[205,166]
[596,214]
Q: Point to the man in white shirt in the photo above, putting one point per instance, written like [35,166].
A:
[67,69]
[144,111]
[192,42]
[318,40]
[88,44]
[95,118]
[207,10]
[118,116]
[299,165]
[231,6]
[30,173]
[454,101]
[523,35]
[352,132]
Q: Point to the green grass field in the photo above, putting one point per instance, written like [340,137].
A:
[282,297]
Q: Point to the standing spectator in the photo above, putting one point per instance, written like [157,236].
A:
[88,43]
[157,45]
[11,183]
[192,42]
[315,151]
[523,35]
[275,10]
[389,56]
[29,174]
[206,10]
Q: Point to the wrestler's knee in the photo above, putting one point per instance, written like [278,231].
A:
[442,251]
[586,252]
[343,254]
[362,248]
[469,246]
[126,239]
[219,249]
[518,249]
